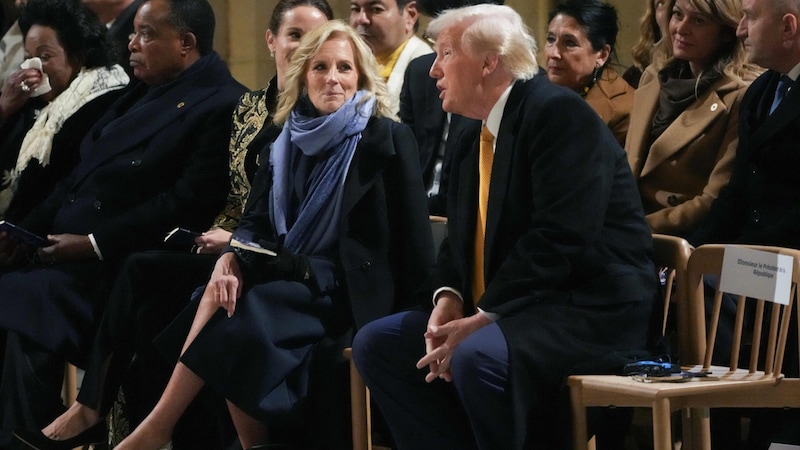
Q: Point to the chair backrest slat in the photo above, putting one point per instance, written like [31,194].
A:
[671,257]
[772,345]
[668,288]
[738,332]
[756,343]
[712,329]
[785,322]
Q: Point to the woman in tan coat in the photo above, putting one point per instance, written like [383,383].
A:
[683,131]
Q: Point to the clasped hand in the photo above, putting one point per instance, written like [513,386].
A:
[447,327]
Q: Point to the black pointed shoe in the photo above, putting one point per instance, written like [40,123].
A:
[96,434]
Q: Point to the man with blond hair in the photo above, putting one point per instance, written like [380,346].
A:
[546,265]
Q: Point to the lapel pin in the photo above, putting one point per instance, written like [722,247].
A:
[180,105]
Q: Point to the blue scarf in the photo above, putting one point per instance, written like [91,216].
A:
[332,139]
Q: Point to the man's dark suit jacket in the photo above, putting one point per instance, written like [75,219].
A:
[385,248]
[566,241]
[421,109]
[761,204]
[156,160]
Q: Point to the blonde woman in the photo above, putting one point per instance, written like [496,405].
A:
[683,132]
[339,197]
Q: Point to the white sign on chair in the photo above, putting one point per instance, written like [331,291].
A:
[756,274]
[775,446]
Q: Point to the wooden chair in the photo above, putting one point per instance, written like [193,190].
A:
[359,394]
[671,257]
[756,383]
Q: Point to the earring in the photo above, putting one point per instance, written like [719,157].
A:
[596,73]
[271,54]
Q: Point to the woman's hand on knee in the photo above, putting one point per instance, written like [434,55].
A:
[225,285]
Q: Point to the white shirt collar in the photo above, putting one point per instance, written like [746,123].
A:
[794,73]
[496,113]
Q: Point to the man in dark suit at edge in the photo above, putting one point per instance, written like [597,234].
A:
[761,203]
[545,268]
[156,160]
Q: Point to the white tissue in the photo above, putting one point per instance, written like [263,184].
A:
[44,86]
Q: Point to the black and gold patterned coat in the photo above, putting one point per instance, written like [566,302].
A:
[252,130]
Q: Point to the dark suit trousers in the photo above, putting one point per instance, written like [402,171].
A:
[437,415]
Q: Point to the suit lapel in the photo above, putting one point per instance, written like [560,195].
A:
[501,172]
[784,115]
[645,101]
[364,167]
[686,127]
[464,200]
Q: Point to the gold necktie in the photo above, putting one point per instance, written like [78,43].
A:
[485,160]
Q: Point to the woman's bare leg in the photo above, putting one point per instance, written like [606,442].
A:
[74,421]
[155,431]
[251,432]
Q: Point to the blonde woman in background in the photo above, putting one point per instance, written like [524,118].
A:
[653,27]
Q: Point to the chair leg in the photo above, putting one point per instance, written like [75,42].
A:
[70,389]
[579,428]
[360,408]
[696,429]
[662,427]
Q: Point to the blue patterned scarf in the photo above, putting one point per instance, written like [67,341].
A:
[332,139]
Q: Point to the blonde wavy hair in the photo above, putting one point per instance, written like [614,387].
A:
[649,35]
[731,58]
[294,84]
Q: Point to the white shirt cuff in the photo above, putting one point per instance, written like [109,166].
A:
[95,247]
[446,289]
[489,315]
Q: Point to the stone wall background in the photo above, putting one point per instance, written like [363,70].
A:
[241,25]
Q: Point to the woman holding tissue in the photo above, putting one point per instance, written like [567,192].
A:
[48,105]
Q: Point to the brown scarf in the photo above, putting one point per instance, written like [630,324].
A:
[679,89]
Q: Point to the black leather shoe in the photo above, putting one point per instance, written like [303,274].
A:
[36,440]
